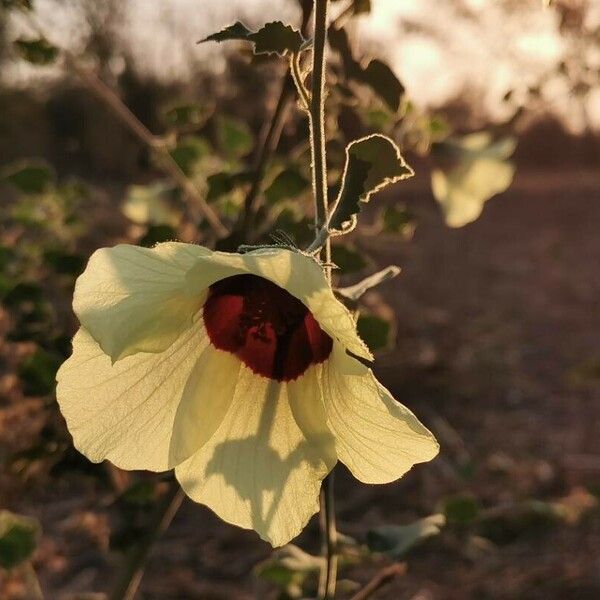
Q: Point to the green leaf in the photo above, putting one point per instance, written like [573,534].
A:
[347,258]
[377,74]
[375,331]
[18,538]
[187,115]
[383,81]
[37,52]
[149,205]
[234,136]
[272,38]
[38,372]
[23,292]
[221,184]
[29,178]
[289,184]
[398,219]
[372,163]
[478,169]
[295,225]
[189,151]
[397,540]
[354,292]
[461,509]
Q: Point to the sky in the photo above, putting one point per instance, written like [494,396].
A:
[441,49]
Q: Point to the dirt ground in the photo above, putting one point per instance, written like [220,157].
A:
[497,351]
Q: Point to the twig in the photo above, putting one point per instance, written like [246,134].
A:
[317,110]
[267,147]
[328,578]
[131,576]
[167,162]
[382,578]
[124,114]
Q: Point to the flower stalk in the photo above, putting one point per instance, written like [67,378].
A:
[327,581]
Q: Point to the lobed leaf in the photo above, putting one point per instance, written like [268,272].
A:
[372,163]
[273,38]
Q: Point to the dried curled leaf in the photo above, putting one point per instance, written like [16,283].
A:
[272,38]
[372,163]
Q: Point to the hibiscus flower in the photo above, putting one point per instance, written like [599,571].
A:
[243,372]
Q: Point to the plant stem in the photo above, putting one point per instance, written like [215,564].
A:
[328,579]
[131,576]
[124,114]
[317,114]
[167,162]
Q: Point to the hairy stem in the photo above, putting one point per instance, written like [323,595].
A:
[317,114]
[328,578]
[131,576]
[327,582]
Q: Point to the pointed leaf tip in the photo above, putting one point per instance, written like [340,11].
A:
[372,163]
[273,38]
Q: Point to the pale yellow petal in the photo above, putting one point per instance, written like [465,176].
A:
[377,438]
[129,412]
[133,299]
[259,471]
[298,273]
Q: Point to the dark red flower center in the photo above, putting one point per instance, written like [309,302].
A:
[266,327]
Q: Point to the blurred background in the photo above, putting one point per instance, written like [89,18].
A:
[489,334]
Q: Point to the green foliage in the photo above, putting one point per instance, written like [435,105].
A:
[38,372]
[375,331]
[397,540]
[347,258]
[188,116]
[29,177]
[398,219]
[272,38]
[478,169]
[377,74]
[18,538]
[461,509]
[289,184]
[36,51]
[190,150]
[234,136]
[372,163]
